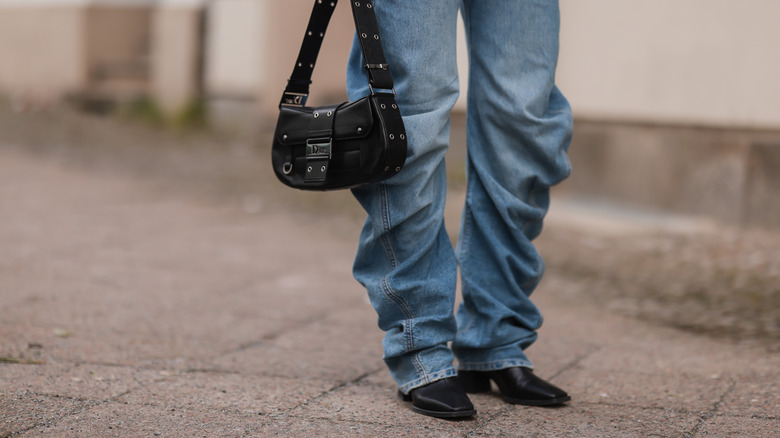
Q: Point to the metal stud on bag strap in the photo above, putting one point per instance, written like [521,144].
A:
[379,77]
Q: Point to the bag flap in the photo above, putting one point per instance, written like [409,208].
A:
[352,120]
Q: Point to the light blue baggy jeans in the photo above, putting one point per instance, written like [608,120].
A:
[518,131]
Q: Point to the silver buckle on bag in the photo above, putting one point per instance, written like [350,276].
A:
[319,148]
[294,99]
[377,66]
[318,154]
[371,89]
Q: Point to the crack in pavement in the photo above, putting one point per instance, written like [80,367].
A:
[576,361]
[711,413]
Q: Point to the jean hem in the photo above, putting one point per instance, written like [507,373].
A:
[429,378]
[494,365]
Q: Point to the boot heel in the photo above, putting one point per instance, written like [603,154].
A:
[474,381]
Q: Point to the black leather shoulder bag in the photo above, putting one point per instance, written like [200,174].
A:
[345,145]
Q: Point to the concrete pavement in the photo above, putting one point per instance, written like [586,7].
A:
[128,311]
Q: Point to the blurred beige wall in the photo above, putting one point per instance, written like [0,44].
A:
[703,62]
[175,64]
[710,62]
[50,49]
[236,48]
[117,42]
[41,49]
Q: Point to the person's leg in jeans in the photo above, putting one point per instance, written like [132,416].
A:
[519,128]
[405,258]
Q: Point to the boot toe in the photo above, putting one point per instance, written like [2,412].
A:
[519,385]
[441,399]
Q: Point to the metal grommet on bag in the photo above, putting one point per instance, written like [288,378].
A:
[402,137]
[392,137]
[316,115]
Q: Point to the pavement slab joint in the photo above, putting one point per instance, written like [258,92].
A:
[334,389]
[592,349]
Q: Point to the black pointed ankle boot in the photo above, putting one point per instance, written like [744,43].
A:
[518,385]
[443,398]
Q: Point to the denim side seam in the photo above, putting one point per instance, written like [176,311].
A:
[449,372]
[389,293]
[385,211]
[496,365]
[395,298]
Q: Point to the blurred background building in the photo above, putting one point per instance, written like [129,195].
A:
[677,103]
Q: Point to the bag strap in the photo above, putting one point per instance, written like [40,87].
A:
[297,90]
